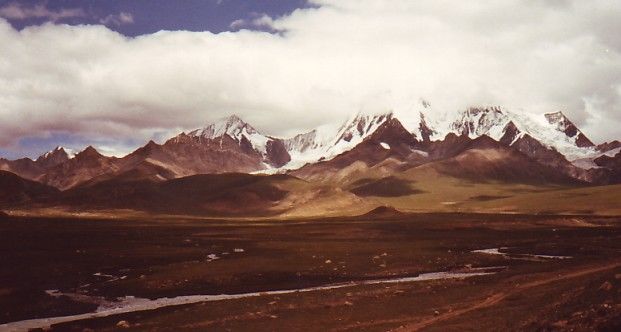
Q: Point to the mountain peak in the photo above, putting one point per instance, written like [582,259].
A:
[231,121]
[231,125]
[362,125]
[90,151]
[57,151]
[392,132]
[53,157]
[484,109]
[555,117]
[562,122]
[565,125]
[272,150]
[233,118]
[477,121]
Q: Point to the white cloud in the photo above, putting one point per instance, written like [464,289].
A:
[259,21]
[119,19]
[19,11]
[237,24]
[330,61]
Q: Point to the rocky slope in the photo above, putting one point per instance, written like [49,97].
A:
[271,150]
[33,169]
[394,139]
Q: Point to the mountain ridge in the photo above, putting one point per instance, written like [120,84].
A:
[420,135]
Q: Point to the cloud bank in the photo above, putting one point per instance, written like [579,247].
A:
[325,62]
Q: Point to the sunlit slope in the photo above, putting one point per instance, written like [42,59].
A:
[431,191]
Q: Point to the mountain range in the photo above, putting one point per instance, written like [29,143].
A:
[366,155]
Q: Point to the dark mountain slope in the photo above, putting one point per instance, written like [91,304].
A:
[208,194]
[488,160]
[15,190]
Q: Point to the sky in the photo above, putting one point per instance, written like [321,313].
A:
[117,73]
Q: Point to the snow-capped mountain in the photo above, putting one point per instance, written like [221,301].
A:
[237,129]
[232,145]
[271,149]
[54,157]
[328,141]
[553,130]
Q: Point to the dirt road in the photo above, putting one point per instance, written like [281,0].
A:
[498,297]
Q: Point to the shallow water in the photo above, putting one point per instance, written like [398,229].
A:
[497,251]
[133,304]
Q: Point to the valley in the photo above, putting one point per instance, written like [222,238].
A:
[310,165]
[493,221]
[70,266]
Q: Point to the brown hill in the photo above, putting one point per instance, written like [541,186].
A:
[607,146]
[143,170]
[83,167]
[180,156]
[208,194]
[383,212]
[449,147]
[52,158]
[389,186]
[609,162]
[612,165]
[24,167]
[15,190]
[454,145]
[186,155]
[33,169]
[535,150]
[488,160]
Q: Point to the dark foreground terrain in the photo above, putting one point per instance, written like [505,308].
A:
[554,273]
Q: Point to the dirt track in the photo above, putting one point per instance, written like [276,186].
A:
[498,297]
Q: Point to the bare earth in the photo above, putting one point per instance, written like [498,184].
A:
[555,273]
